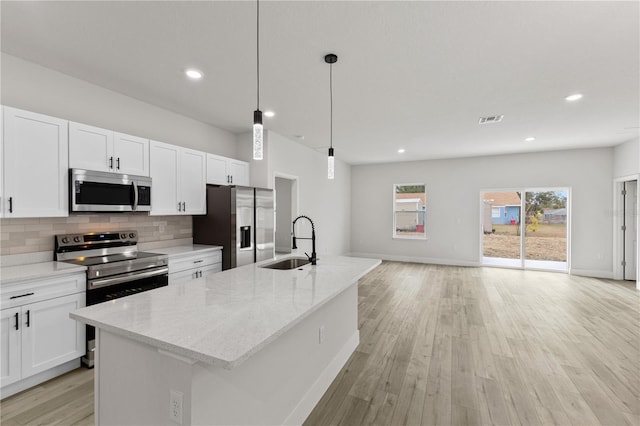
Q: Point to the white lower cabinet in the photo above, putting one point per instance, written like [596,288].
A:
[39,335]
[191,266]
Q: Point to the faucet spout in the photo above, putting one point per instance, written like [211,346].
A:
[313,258]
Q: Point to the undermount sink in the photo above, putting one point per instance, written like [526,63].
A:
[290,263]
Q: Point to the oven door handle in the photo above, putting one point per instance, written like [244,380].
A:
[130,276]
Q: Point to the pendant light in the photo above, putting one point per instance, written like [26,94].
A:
[331,59]
[257,114]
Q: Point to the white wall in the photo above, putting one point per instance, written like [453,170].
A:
[453,206]
[34,88]
[626,159]
[327,202]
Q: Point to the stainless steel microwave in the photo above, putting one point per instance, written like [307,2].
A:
[92,191]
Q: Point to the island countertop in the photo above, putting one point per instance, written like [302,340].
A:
[225,318]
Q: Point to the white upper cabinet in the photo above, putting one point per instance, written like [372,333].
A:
[93,148]
[35,165]
[193,181]
[227,171]
[179,180]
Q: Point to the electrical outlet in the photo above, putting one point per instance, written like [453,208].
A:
[175,406]
[321,334]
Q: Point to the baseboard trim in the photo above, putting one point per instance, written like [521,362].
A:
[451,262]
[430,260]
[317,390]
[36,379]
[591,273]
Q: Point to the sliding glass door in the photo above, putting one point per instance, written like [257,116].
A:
[526,229]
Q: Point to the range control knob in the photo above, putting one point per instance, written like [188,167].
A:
[123,236]
[76,239]
[65,240]
[132,235]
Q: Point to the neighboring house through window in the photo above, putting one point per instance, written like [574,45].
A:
[409,211]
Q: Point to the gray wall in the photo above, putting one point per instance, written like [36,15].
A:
[34,88]
[327,202]
[453,204]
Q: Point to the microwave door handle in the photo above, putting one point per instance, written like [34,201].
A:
[135,196]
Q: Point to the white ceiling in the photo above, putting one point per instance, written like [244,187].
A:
[416,75]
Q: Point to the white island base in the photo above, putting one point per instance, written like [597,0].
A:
[279,384]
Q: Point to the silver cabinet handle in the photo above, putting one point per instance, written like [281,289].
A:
[184,206]
[179,206]
[111,162]
[118,163]
[10,204]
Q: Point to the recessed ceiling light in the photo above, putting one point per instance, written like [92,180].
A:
[193,74]
[573,97]
[269,114]
[401,151]
[530,139]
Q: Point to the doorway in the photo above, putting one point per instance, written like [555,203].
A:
[629,230]
[286,208]
[526,229]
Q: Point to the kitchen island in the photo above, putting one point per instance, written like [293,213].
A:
[249,345]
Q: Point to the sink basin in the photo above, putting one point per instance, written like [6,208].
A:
[291,263]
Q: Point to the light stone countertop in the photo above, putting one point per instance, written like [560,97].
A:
[184,249]
[34,271]
[226,317]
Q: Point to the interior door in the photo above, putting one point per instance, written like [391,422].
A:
[630,231]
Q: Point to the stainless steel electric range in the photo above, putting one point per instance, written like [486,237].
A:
[115,268]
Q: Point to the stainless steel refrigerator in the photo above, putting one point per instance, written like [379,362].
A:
[241,220]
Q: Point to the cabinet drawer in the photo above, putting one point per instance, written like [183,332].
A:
[195,273]
[183,263]
[23,292]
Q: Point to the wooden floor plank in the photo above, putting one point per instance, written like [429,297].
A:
[445,345]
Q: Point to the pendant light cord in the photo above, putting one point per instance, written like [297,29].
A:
[331,105]
[258,54]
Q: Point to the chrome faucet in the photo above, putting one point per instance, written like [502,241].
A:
[313,257]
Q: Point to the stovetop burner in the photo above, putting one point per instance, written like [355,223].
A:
[106,254]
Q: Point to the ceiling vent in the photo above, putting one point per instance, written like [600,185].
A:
[492,119]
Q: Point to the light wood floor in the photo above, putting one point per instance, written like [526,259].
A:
[455,346]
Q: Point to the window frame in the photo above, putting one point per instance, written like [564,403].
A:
[394,234]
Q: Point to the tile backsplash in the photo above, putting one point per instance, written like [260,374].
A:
[30,235]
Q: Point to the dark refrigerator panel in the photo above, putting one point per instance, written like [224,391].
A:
[236,216]
[215,228]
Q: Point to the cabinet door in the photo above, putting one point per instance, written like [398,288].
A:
[217,173]
[36,175]
[10,346]
[239,171]
[193,181]
[164,159]
[131,154]
[49,336]
[182,277]
[90,148]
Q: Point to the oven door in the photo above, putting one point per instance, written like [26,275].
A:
[110,288]
[102,192]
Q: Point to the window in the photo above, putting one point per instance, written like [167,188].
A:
[409,211]
[495,211]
